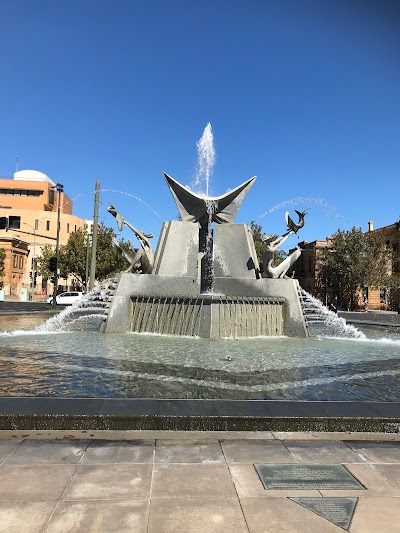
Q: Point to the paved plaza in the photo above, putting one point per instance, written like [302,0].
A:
[187,482]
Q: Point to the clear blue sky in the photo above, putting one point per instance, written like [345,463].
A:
[303,94]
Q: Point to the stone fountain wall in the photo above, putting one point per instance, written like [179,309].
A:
[171,301]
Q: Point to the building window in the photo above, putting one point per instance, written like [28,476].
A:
[15,261]
[75,227]
[51,196]
[67,228]
[36,224]
[14,222]
[21,261]
[21,192]
[47,225]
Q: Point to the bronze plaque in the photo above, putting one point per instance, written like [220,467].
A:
[306,477]
[339,511]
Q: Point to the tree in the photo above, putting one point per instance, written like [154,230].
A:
[260,245]
[2,258]
[42,262]
[355,260]
[109,260]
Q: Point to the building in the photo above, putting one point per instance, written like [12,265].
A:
[30,203]
[379,298]
[15,263]
[306,270]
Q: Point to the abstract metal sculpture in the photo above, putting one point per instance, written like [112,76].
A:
[206,209]
[144,255]
[292,225]
[280,270]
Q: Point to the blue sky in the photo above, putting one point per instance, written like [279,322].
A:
[302,94]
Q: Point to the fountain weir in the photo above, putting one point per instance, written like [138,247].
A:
[206,282]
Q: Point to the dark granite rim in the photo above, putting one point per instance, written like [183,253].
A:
[38,413]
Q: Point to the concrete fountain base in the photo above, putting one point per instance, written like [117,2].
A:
[196,415]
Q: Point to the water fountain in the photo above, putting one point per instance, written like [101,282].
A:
[194,326]
[205,282]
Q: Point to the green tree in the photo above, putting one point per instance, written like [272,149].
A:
[2,259]
[109,259]
[42,261]
[260,245]
[256,231]
[353,261]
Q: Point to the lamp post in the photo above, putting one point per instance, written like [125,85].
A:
[59,188]
[33,258]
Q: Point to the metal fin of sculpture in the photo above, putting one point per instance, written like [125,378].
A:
[195,208]
[292,225]
[145,254]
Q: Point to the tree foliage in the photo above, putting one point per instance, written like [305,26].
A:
[353,261]
[260,245]
[42,261]
[2,259]
[74,256]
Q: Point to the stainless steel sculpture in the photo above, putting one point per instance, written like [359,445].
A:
[204,279]
[280,270]
[292,225]
[143,260]
[206,209]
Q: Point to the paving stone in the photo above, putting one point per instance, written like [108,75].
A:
[192,481]
[378,452]
[390,472]
[110,482]
[376,515]
[39,482]
[283,516]
[356,436]
[256,452]
[45,452]
[248,485]
[322,452]
[24,516]
[373,481]
[188,453]
[106,452]
[202,515]
[7,447]
[100,517]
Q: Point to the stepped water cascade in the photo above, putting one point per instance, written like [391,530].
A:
[325,323]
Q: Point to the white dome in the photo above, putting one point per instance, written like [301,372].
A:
[32,175]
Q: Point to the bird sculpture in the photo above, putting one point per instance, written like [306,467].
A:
[292,225]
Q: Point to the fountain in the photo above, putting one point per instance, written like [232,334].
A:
[205,282]
[191,326]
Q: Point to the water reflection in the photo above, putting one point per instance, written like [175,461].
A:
[88,364]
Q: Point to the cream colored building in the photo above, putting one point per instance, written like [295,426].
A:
[30,203]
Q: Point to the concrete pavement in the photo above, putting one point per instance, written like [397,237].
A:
[187,482]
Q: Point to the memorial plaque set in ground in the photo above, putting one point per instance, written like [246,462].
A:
[337,510]
[306,477]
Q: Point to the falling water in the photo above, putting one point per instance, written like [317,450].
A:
[121,192]
[85,313]
[207,271]
[205,161]
[326,323]
[307,202]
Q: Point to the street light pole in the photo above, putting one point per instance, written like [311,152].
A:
[33,258]
[94,236]
[59,188]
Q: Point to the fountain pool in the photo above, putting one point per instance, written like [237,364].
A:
[74,360]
